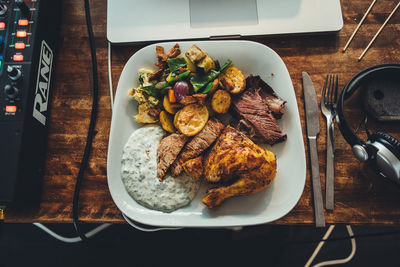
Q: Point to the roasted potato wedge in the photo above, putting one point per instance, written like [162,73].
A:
[167,122]
[232,80]
[194,167]
[221,101]
[168,107]
[191,119]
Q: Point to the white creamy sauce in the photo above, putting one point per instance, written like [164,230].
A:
[139,174]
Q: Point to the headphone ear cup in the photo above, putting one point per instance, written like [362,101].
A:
[388,141]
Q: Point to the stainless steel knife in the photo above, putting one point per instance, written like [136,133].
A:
[312,122]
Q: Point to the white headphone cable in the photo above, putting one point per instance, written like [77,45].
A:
[72,239]
[332,262]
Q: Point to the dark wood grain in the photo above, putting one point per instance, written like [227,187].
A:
[360,196]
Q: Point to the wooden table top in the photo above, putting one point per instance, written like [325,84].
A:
[360,196]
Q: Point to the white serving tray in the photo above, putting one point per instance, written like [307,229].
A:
[265,206]
[130,21]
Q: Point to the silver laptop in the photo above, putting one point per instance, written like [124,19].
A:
[132,21]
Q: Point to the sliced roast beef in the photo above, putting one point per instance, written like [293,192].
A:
[167,151]
[198,144]
[257,116]
[267,127]
[274,102]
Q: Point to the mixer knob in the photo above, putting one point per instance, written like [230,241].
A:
[11,91]
[14,73]
[3,9]
[25,11]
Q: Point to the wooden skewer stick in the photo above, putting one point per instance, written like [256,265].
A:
[359,25]
[379,31]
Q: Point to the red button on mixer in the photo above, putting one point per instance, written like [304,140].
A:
[23,22]
[18,57]
[2,25]
[19,45]
[11,109]
[21,33]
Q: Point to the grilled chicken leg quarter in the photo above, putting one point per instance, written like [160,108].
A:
[237,160]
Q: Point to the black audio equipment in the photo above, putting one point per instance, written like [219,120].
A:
[29,31]
[381,150]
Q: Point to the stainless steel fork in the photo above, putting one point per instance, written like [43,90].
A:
[328,107]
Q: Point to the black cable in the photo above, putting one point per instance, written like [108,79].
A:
[93,116]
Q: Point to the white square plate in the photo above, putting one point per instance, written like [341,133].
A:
[265,206]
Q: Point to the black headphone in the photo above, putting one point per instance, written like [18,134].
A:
[381,149]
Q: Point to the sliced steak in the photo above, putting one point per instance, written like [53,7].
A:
[274,102]
[198,144]
[267,127]
[250,102]
[255,111]
[167,151]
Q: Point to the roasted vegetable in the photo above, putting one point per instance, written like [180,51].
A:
[175,63]
[181,89]
[209,108]
[168,107]
[190,65]
[214,86]
[146,113]
[171,96]
[208,87]
[191,119]
[200,58]
[201,98]
[144,76]
[232,80]
[188,99]
[179,77]
[206,64]
[195,54]
[167,122]
[152,90]
[199,81]
[221,101]
[159,90]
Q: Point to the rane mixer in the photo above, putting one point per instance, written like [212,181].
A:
[29,33]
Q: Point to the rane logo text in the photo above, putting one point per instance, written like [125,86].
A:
[43,83]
